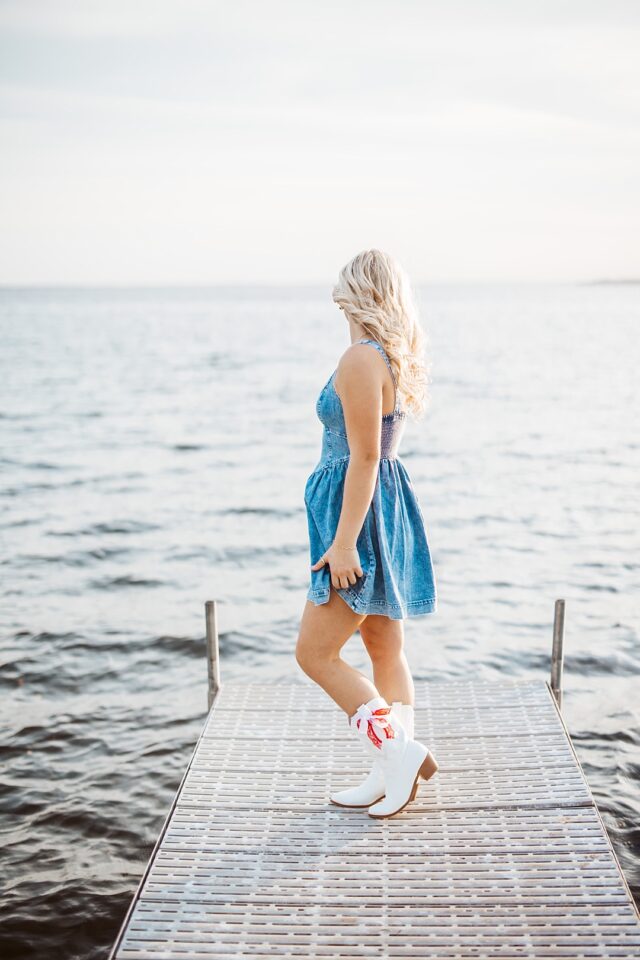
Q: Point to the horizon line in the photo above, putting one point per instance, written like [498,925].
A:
[282,285]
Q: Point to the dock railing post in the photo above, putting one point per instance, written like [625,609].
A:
[213,653]
[556,651]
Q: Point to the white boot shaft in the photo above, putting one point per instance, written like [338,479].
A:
[406,713]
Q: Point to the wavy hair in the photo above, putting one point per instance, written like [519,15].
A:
[374,290]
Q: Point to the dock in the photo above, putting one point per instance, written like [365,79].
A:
[502,854]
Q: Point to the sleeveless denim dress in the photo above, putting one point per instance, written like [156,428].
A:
[397,573]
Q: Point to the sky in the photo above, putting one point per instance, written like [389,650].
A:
[268,142]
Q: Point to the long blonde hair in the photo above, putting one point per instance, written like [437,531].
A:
[375,292]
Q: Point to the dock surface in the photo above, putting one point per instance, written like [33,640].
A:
[502,854]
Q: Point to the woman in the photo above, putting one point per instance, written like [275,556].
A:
[367,534]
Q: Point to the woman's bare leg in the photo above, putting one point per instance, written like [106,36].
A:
[384,642]
[324,630]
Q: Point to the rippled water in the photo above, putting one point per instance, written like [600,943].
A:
[155,446]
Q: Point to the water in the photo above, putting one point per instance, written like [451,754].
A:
[155,446]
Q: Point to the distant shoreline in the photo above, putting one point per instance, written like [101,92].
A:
[613,283]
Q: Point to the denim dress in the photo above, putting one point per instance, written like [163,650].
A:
[397,578]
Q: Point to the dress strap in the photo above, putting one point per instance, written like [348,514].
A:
[388,363]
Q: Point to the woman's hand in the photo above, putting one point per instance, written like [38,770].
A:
[344,565]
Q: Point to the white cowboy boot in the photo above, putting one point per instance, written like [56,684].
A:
[403,761]
[372,787]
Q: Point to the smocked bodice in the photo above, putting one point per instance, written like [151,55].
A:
[335,445]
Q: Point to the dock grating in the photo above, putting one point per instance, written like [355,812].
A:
[503,854]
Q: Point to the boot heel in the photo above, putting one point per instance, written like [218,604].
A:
[429,767]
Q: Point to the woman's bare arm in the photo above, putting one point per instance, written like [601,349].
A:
[360,391]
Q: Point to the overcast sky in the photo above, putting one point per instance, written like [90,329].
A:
[223,142]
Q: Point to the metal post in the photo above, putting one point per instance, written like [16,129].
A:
[213,653]
[556,651]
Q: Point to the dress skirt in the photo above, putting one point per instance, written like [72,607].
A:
[397,579]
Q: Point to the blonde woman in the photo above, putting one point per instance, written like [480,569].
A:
[370,560]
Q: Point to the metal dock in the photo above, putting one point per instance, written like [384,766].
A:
[503,854]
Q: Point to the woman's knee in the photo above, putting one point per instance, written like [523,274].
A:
[303,656]
[324,630]
[308,658]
